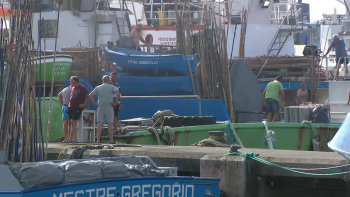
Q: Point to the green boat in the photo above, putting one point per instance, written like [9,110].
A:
[62,68]
[289,136]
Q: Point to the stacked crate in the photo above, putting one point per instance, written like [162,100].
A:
[85,61]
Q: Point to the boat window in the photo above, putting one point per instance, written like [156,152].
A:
[48,28]
[87,5]
[76,4]
[50,5]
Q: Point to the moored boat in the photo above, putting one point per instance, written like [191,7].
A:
[140,63]
[289,136]
[62,67]
[152,86]
[117,176]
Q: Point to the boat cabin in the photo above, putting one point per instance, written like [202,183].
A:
[85,23]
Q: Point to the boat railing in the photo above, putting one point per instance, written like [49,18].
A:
[285,21]
[157,12]
[173,97]
[164,49]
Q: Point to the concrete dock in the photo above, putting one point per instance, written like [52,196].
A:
[262,181]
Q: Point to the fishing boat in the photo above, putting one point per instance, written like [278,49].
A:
[288,136]
[63,64]
[153,86]
[154,64]
[115,176]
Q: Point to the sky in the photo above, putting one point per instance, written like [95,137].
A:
[318,7]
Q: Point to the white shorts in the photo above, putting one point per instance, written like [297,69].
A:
[105,113]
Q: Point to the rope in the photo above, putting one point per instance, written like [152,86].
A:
[156,134]
[210,143]
[254,156]
[171,135]
[77,146]
[269,139]
[314,140]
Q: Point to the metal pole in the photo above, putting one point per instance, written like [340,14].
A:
[151,1]
[199,106]
[133,7]
[122,11]
[261,69]
[161,12]
[312,71]
[327,69]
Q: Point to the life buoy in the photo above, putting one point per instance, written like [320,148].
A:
[149,38]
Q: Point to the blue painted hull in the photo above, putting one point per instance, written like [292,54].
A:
[155,86]
[151,64]
[129,187]
[296,85]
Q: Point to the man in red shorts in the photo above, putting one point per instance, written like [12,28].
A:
[79,98]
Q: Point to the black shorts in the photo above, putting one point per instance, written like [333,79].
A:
[272,105]
[116,110]
[342,61]
[74,112]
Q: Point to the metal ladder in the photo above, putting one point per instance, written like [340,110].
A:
[282,35]
[123,22]
[279,41]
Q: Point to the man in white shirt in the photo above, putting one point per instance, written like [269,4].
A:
[64,97]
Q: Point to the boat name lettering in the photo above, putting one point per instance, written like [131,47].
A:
[168,43]
[148,190]
[171,39]
[60,68]
[62,64]
[142,62]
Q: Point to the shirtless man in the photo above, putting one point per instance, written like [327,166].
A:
[302,94]
[136,36]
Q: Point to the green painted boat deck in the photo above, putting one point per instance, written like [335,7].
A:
[289,136]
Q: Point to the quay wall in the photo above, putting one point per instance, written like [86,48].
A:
[262,181]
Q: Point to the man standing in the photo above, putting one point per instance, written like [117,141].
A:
[340,53]
[302,94]
[105,106]
[136,36]
[114,77]
[79,98]
[64,97]
[270,98]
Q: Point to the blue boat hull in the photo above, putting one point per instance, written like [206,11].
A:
[155,86]
[128,187]
[138,63]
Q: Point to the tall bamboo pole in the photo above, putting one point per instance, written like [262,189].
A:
[44,107]
[53,76]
